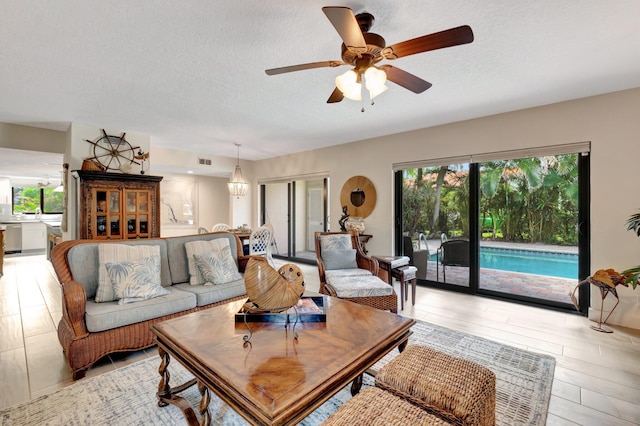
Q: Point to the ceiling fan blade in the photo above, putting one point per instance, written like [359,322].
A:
[405,79]
[336,96]
[300,67]
[347,26]
[442,39]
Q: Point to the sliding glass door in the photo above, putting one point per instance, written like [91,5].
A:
[515,228]
[297,209]
[529,227]
[436,219]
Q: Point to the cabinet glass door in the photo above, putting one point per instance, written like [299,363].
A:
[137,213]
[106,210]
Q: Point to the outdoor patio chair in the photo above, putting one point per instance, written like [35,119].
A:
[417,257]
[346,272]
[451,253]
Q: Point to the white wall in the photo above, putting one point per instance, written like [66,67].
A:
[212,204]
[609,121]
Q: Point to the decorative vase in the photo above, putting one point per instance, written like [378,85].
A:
[355,223]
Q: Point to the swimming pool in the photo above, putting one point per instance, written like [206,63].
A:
[552,264]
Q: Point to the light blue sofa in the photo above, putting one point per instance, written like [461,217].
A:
[90,330]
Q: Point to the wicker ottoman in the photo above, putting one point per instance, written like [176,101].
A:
[373,406]
[461,391]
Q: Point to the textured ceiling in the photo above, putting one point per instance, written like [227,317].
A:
[191,73]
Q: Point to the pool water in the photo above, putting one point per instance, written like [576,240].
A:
[551,264]
[564,265]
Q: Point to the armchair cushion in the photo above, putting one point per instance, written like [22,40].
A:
[335,242]
[339,259]
[351,272]
[359,286]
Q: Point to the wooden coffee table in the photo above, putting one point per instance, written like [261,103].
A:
[274,379]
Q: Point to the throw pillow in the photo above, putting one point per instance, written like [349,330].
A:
[200,247]
[339,259]
[217,267]
[136,280]
[335,242]
[114,253]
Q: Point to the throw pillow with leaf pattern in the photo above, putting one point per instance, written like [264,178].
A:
[136,280]
[217,267]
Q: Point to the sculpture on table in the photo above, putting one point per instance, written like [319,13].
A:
[270,290]
[343,219]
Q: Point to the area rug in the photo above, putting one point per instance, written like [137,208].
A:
[127,396]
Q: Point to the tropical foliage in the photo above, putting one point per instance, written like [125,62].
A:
[523,200]
[633,274]
[27,200]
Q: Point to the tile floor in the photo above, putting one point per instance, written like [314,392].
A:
[597,376]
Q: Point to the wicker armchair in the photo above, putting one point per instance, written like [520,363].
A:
[366,271]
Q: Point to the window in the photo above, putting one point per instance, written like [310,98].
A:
[27,200]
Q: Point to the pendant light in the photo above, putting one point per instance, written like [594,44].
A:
[237,186]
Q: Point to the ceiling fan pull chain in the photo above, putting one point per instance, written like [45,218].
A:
[362,86]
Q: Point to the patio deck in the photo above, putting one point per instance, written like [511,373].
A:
[529,285]
[517,283]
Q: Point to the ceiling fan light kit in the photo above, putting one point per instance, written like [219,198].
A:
[363,50]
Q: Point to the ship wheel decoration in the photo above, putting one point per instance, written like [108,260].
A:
[113,152]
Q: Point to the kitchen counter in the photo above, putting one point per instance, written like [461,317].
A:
[14,221]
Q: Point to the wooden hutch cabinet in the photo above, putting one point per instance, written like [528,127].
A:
[116,206]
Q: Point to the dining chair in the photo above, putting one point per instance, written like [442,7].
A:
[260,242]
[220,227]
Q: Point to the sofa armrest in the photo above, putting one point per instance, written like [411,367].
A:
[74,304]
[74,298]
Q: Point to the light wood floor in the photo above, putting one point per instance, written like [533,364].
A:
[597,377]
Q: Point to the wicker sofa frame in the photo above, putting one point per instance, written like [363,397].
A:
[81,347]
[385,303]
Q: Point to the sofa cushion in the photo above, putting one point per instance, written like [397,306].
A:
[136,280]
[359,286]
[108,315]
[217,267]
[83,263]
[339,259]
[177,253]
[216,293]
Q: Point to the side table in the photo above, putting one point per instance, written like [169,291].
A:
[398,267]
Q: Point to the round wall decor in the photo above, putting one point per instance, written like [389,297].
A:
[359,195]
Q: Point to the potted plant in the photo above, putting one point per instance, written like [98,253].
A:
[633,274]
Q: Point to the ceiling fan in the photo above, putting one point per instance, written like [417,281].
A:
[363,50]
